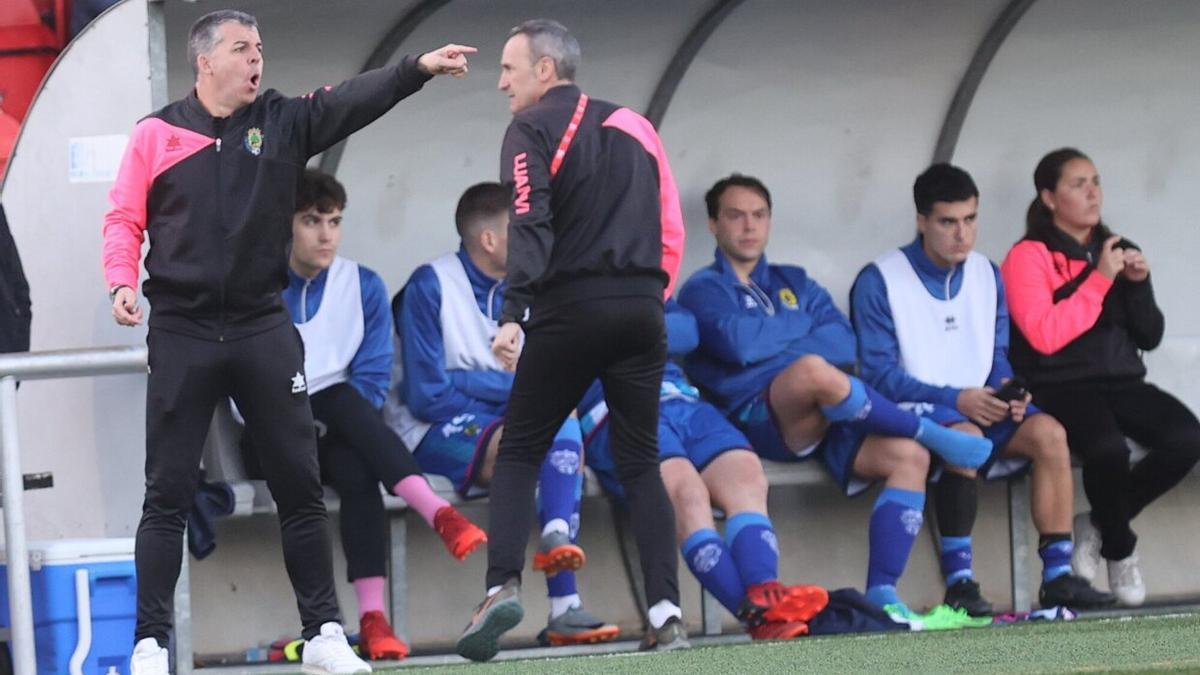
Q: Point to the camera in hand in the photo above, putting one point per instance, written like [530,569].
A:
[1013,390]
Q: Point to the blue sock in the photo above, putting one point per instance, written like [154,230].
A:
[751,539]
[709,559]
[874,412]
[561,479]
[954,446]
[883,595]
[561,585]
[1056,558]
[895,523]
[956,559]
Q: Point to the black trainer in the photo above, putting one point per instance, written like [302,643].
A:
[1075,592]
[964,594]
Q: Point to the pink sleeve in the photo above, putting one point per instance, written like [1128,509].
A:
[154,147]
[673,232]
[671,219]
[125,222]
[1030,279]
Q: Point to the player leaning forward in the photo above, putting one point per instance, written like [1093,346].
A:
[212,180]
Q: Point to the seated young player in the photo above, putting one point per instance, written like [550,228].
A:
[707,462]
[340,309]
[772,349]
[932,329]
[450,398]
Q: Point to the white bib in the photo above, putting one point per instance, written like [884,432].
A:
[945,343]
[334,334]
[466,342]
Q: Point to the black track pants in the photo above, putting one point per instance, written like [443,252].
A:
[263,373]
[358,452]
[1098,417]
[622,342]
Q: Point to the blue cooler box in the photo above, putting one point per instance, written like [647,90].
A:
[111,603]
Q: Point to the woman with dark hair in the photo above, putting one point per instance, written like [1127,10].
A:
[1083,310]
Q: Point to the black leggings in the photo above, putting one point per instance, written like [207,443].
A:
[622,342]
[188,376]
[358,452]
[1098,417]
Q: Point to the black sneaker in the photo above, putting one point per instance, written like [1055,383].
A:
[671,636]
[964,594]
[1071,591]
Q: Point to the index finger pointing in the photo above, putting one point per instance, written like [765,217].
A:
[460,49]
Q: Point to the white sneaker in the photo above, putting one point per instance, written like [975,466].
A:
[330,654]
[1085,561]
[149,659]
[1125,581]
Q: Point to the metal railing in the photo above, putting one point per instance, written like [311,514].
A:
[50,365]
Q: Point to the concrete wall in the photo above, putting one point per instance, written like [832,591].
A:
[835,105]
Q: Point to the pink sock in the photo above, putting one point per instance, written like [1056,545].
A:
[370,594]
[416,491]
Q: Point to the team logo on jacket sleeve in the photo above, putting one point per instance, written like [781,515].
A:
[254,141]
[788,298]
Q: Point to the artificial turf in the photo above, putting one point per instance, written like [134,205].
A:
[1141,644]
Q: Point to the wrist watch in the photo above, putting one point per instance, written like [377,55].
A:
[112,292]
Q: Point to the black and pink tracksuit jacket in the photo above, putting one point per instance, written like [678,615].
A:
[216,198]
[595,210]
[1073,324]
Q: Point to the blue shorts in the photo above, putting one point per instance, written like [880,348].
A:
[693,430]
[454,448]
[837,450]
[999,434]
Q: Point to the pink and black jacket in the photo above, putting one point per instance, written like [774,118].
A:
[595,209]
[1072,323]
[216,198]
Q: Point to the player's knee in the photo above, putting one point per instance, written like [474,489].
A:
[689,496]
[1050,442]
[969,428]
[909,457]
[750,479]
[814,372]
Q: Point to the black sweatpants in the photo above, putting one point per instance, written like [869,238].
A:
[1098,417]
[263,374]
[621,341]
[358,451]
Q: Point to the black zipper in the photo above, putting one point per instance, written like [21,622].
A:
[219,128]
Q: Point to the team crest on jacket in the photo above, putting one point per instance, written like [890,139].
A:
[788,298]
[254,141]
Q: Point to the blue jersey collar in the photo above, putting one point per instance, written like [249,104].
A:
[476,275]
[941,281]
[760,275]
[297,282]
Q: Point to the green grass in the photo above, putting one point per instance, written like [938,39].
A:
[1141,645]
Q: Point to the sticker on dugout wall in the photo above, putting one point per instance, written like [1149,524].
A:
[95,159]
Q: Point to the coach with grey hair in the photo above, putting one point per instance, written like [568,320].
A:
[212,179]
[594,244]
